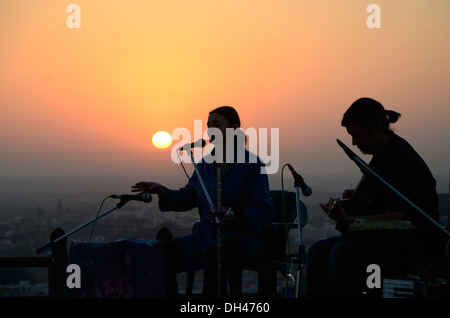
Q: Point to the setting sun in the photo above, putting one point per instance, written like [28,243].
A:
[162,139]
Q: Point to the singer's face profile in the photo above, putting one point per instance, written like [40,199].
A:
[220,122]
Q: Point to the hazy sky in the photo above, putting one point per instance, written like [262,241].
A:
[86,101]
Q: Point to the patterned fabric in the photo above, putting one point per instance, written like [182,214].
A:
[128,268]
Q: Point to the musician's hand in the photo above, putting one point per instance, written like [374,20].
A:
[327,206]
[211,215]
[225,219]
[149,187]
[336,212]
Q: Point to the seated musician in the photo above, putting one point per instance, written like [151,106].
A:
[245,192]
[334,265]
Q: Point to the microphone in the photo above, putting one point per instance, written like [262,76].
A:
[146,197]
[199,143]
[300,182]
[352,156]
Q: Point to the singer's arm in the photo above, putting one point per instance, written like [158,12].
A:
[183,199]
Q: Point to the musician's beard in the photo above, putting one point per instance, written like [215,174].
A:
[364,151]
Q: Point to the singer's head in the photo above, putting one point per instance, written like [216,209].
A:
[229,116]
[368,122]
[223,118]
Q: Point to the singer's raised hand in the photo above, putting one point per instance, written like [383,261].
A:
[149,187]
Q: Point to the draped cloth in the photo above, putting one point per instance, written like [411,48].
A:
[128,268]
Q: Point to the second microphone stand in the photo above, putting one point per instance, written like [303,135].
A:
[48,247]
[301,247]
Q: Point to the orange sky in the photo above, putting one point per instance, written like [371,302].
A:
[89,100]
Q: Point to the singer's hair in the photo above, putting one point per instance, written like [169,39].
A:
[368,114]
[229,113]
[233,118]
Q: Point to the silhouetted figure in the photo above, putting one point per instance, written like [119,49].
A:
[336,266]
[245,190]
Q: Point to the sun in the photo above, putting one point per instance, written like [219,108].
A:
[162,139]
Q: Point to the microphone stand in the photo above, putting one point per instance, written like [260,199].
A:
[218,223]
[301,247]
[48,247]
[219,232]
